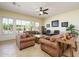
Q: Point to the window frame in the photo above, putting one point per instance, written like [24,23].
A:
[14,24]
[9,32]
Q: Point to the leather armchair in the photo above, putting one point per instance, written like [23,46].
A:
[23,40]
[50,46]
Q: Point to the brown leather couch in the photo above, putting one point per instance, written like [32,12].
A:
[33,32]
[50,46]
[24,40]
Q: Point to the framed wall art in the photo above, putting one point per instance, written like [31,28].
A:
[47,25]
[64,24]
[55,23]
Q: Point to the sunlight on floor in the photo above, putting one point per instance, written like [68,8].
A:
[9,48]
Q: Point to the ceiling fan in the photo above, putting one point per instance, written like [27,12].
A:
[43,11]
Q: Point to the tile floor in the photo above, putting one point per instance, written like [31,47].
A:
[9,49]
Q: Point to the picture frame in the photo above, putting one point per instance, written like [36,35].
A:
[64,24]
[55,23]
[47,25]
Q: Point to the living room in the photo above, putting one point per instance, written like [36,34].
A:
[42,23]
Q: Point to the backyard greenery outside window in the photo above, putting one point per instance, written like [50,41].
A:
[18,25]
[7,25]
[21,24]
[28,25]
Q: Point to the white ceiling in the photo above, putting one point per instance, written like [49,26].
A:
[30,8]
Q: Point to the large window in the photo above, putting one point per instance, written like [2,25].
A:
[28,25]
[21,24]
[37,25]
[18,25]
[7,25]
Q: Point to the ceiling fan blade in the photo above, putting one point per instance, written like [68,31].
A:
[40,8]
[45,12]
[45,9]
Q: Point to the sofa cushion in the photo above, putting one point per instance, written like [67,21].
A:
[46,37]
[23,35]
[66,36]
[54,37]
[27,34]
[48,42]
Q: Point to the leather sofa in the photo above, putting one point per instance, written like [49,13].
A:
[33,32]
[50,46]
[24,40]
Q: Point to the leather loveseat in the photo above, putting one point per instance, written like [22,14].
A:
[24,40]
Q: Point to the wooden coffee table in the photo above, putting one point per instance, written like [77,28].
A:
[37,38]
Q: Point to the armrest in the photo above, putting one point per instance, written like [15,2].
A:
[27,39]
[45,37]
[33,38]
[49,43]
[18,40]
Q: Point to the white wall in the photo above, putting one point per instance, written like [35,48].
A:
[72,17]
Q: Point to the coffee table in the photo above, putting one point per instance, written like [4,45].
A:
[38,36]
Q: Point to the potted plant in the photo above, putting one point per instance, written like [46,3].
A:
[71,29]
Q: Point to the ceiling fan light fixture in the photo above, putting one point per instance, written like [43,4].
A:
[41,12]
